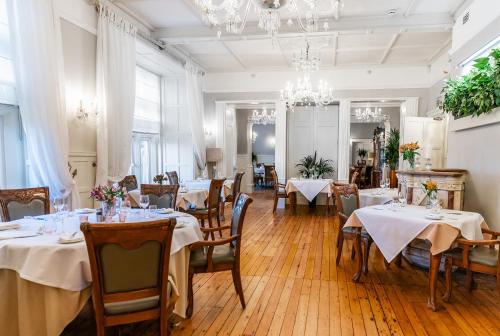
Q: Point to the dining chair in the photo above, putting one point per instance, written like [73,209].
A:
[279,192]
[480,256]
[129,182]
[18,203]
[268,176]
[172,176]
[129,265]
[220,255]
[354,177]
[212,205]
[347,199]
[235,190]
[163,196]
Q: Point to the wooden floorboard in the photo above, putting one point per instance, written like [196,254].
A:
[293,287]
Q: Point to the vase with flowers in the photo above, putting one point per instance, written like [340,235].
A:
[409,152]
[159,179]
[107,196]
[431,189]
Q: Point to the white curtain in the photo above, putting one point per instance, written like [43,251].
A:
[116,62]
[37,55]
[194,103]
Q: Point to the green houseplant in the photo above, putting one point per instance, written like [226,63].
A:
[362,153]
[310,167]
[392,155]
[476,93]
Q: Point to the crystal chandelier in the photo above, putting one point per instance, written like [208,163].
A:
[233,14]
[263,117]
[303,93]
[305,61]
[368,114]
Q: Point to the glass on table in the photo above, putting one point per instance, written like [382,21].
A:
[144,202]
[58,204]
[153,208]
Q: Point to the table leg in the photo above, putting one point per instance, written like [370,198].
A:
[359,258]
[433,276]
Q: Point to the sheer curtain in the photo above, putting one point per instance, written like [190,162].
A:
[38,68]
[194,102]
[116,61]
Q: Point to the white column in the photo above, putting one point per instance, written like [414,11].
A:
[344,139]
[220,132]
[280,147]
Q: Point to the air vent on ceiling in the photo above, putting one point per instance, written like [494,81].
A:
[465,18]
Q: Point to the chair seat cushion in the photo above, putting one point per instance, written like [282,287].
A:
[479,255]
[350,229]
[223,254]
[116,308]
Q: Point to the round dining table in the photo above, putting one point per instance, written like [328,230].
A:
[376,196]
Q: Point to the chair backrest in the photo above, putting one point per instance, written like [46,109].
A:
[354,177]
[129,262]
[163,196]
[267,171]
[129,182]
[214,193]
[237,184]
[173,178]
[347,198]
[17,203]
[275,179]
[240,208]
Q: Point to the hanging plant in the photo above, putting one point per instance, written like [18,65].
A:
[476,93]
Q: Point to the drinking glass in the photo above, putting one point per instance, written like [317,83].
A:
[58,204]
[144,202]
[152,210]
[435,204]
[402,196]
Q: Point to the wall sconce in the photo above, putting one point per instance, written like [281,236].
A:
[82,112]
[208,132]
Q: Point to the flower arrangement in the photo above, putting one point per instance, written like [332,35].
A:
[159,179]
[309,167]
[409,152]
[430,187]
[108,194]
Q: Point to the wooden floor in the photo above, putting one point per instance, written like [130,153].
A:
[293,287]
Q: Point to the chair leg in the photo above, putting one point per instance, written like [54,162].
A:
[189,309]
[218,224]
[275,205]
[367,243]
[353,252]
[222,207]
[211,227]
[399,259]
[448,280]
[237,285]
[340,244]
[469,281]
[357,248]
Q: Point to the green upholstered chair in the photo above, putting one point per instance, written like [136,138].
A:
[220,255]
[172,177]
[347,200]
[129,182]
[17,203]
[480,256]
[129,265]
[212,206]
[163,196]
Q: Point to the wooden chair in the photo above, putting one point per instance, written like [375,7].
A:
[220,255]
[354,177]
[163,196]
[212,205]
[235,190]
[129,182]
[480,256]
[17,203]
[347,198]
[172,176]
[268,176]
[129,266]
[279,192]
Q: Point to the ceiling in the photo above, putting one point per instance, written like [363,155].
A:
[363,35]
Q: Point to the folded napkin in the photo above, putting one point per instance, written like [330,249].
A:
[68,238]
[9,226]
[17,234]
[165,211]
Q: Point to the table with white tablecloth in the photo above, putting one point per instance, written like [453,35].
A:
[44,284]
[310,188]
[205,184]
[376,196]
[185,198]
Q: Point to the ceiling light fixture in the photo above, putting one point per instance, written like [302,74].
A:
[368,114]
[303,94]
[262,117]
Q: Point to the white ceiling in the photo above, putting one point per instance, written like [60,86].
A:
[362,36]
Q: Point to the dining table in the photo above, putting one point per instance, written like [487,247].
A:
[376,196]
[45,277]
[393,226]
[309,188]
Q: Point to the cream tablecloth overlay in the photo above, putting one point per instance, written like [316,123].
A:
[394,230]
[205,184]
[368,197]
[310,188]
[44,284]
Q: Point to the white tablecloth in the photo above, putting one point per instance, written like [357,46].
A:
[205,184]
[184,198]
[368,197]
[310,188]
[392,228]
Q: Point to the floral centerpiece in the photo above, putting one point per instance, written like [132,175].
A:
[431,189]
[108,195]
[159,179]
[409,152]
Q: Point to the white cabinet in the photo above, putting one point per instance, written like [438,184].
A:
[430,134]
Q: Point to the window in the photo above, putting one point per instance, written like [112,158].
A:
[483,52]
[146,129]
[7,79]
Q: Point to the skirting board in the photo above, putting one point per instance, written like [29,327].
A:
[472,122]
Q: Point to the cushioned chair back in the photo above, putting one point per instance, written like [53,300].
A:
[347,198]
[214,193]
[275,178]
[129,182]
[173,178]
[237,184]
[240,208]
[163,196]
[129,260]
[17,203]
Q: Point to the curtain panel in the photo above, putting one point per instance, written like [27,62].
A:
[38,64]
[116,61]
[195,108]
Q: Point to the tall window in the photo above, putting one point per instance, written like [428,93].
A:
[146,131]
[483,52]
[7,79]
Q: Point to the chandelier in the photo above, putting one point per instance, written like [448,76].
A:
[368,114]
[233,14]
[305,61]
[263,117]
[303,94]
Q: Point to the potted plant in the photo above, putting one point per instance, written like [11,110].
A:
[306,165]
[392,156]
[159,179]
[362,153]
[324,168]
[409,152]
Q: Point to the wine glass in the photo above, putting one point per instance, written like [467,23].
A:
[402,196]
[58,204]
[144,202]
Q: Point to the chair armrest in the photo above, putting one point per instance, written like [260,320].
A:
[489,242]
[494,234]
[226,227]
[211,245]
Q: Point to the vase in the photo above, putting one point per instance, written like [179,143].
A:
[108,211]
[393,179]
[411,162]
[431,199]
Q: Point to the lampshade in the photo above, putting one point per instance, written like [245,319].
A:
[214,154]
